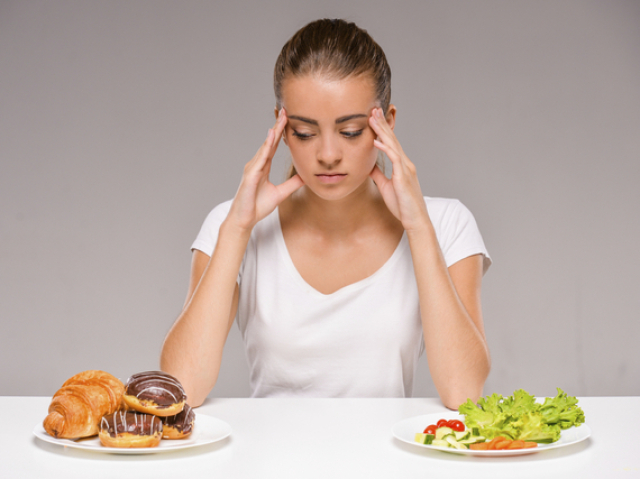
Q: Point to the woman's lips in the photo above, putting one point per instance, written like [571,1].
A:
[330,177]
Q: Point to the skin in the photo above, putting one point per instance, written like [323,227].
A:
[338,209]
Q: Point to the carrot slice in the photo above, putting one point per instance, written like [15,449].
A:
[529,445]
[494,441]
[479,446]
[503,444]
[517,444]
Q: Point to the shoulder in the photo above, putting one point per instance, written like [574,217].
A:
[439,203]
[456,230]
[219,212]
[208,235]
[446,209]
[216,216]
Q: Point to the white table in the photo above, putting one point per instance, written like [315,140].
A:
[323,438]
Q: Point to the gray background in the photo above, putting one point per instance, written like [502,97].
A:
[123,123]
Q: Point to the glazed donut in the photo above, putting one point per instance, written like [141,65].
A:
[130,429]
[180,425]
[154,392]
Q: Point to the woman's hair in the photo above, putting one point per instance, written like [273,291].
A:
[335,49]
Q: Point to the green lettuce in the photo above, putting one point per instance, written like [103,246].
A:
[520,417]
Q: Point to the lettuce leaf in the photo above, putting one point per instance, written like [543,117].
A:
[519,416]
[562,410]
[531,427]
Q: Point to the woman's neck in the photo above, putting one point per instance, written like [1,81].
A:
[361,209]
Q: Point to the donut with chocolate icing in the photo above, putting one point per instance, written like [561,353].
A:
[154,392]
[130,429]
[180,425]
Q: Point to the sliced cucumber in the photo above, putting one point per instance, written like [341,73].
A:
[441,432]
[473,440]
[424,438]
[451,439]
[440,443]
[460,435]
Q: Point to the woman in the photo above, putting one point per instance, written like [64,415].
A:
[339,276]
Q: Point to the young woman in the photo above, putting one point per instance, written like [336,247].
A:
[339,277]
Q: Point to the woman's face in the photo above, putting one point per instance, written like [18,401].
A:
[328,132]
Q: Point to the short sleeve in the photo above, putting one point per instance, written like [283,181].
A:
[457,231]
[208,235]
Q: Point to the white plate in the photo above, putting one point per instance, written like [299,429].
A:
[406,430]
[206,430]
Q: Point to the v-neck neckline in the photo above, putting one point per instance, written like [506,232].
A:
[282,245]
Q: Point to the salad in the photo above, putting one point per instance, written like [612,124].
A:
[513,422]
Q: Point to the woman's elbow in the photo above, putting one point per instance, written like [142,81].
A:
[458,393]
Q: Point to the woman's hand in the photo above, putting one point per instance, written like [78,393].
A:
[401,193]
[257,197]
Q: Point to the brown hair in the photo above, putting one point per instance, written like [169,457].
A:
[337,49]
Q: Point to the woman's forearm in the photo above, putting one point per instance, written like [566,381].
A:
[455,344]
[192,350]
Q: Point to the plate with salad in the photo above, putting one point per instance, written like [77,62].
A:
[499,426]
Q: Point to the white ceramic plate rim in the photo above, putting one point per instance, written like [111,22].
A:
[206,430]
[406,430]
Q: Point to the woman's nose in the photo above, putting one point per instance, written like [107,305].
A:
[330,153]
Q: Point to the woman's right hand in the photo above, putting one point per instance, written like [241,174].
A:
[257,197]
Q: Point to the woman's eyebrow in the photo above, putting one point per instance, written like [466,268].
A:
[301,118]
[342,119]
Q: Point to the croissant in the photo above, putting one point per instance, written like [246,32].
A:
[78,406]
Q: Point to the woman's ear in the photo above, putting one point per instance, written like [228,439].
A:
[391,115]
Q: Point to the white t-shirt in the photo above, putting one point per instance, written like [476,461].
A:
[363,340]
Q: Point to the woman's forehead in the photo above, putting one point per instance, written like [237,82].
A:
[316,96]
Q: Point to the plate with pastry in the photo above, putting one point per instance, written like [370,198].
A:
[94,410]
[128,432]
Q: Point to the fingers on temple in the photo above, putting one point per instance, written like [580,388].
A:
[273,138]
[263,153]
[386,140]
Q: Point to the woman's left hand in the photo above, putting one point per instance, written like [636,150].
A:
[401,192]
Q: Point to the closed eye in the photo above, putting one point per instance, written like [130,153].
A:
[302,136]
[346,134]
[352,134]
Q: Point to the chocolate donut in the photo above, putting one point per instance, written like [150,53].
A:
[180,425]
[154,392]
[130,429]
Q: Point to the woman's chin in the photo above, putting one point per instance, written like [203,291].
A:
[337,191]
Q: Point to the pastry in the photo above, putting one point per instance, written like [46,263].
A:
[129,429]
[180,425]
[78,406]
[154,392]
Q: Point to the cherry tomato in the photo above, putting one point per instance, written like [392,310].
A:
[431,429]
[456,425]
[442,423]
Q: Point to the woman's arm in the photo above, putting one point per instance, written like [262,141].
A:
[450,307]
[192,350]
[451,313]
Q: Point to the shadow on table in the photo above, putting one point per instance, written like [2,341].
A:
[542,455]
[106,455]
